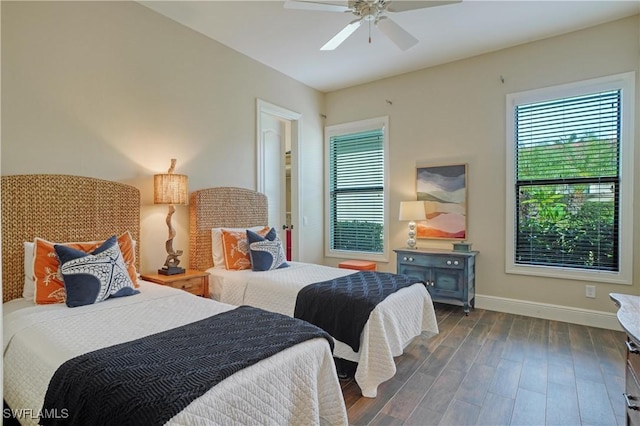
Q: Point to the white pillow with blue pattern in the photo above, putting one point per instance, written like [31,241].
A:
[93,277]
[266,252]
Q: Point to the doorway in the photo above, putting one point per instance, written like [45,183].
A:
[277,170]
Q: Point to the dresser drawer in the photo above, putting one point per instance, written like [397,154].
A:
[632,393]
[445,261]
[191,281]
[192,285]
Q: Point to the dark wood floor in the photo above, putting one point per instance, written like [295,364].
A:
[492,368]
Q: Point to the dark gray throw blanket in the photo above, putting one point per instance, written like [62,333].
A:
[342,306]
[149,380]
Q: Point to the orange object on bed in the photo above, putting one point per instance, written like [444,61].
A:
[236,248]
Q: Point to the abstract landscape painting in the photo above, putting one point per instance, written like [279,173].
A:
[444,192]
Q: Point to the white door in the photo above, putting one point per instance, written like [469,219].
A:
[274,179]
[277,170]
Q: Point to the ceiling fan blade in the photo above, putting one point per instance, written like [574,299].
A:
[341,6]
[402,5]
[396,33]
[342,35]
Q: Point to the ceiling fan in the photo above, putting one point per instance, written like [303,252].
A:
[369,11]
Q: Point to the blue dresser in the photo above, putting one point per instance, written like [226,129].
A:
[449,275]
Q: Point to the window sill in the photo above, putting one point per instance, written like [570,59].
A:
[569,274]
[357,255]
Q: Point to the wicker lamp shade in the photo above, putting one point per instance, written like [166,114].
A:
[169,189]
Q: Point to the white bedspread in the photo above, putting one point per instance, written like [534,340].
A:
[297,386]
[391,326]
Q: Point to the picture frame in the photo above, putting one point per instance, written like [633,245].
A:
[443,188]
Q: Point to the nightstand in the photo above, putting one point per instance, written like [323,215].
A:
[195,282]
[449,275]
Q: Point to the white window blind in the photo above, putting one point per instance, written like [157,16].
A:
[356,191]
[567,182]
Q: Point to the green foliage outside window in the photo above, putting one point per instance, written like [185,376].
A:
[356,235]
[568,158]
[567,204]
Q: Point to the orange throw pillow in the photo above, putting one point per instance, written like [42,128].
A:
[48,280]
[236,248]
[128,249]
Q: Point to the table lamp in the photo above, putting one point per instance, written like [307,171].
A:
[170,188]
[412,211]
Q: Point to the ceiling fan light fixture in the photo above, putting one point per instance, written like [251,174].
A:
[369,11]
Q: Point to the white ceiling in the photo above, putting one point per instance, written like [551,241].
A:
[288,40]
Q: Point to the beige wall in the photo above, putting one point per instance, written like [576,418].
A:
[456,113]
[114,90]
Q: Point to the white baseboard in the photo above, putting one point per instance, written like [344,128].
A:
[551,312]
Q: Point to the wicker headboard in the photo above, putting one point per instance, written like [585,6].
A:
[222,207]
[61,208]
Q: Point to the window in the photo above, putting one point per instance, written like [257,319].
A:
[569,188]
[356,189]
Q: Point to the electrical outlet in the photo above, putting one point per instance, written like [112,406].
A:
[590,291]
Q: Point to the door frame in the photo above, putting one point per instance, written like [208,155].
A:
[295,118]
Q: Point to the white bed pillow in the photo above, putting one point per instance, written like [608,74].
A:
[29,289]
[217,251]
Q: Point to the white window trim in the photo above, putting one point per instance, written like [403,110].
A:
[626,82]
[353,127]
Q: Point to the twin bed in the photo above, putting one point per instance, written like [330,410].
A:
[297,385]
[394,322]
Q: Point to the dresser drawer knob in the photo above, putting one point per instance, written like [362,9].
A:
[405,258]
[455,262]
[411,259]
[628,399]
[632,347]
[448,262]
